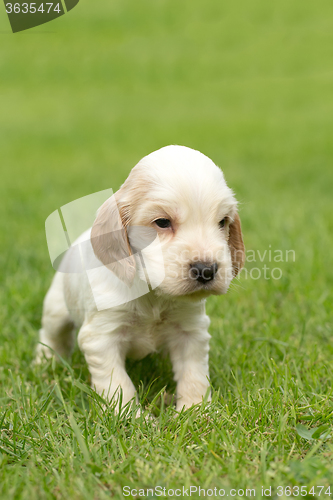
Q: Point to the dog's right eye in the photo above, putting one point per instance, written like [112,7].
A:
[163,223]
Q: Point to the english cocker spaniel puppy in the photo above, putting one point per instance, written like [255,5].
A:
[163,243]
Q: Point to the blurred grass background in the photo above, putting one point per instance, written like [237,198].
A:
[82,99]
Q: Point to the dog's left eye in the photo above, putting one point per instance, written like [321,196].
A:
[163,223]
[222,223]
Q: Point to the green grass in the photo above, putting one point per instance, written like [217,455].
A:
[82,99]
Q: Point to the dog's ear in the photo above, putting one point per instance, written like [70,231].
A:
[110,241]
[236,245]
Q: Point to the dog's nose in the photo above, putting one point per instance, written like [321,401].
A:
[203,272]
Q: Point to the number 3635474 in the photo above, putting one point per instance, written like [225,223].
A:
[31,8]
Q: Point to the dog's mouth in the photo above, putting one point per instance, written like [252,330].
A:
[210,288]
[199,291]
[194,287]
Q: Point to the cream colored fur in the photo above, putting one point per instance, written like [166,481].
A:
[187,188]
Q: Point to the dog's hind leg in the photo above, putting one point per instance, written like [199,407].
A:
[58,329]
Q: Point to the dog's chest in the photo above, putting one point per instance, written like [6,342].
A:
[148,332]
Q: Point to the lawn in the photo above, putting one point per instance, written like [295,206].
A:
[82,99]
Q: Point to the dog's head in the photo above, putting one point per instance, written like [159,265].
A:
[180,195]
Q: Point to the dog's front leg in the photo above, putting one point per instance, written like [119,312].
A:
[105,354]
[189,357]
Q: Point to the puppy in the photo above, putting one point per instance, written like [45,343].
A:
[172,227]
